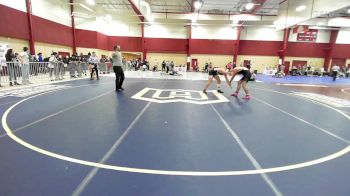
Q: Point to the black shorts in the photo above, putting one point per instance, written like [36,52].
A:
[213,73]
[246,75]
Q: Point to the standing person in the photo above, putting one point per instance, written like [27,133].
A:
[243,82]
[117,68]
[11,60]
[93,60]
[214,74]
[40,57]
[335,70]
[163,66]
[53,63]
[24,60]
[167,65]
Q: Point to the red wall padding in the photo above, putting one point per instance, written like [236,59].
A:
[341,51]
[166,45]
[300,49]
[102,41]
[51,32]
[131,44]
[13,23]
[86,39]
[261,48]
[207,46]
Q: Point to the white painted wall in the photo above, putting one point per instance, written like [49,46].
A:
[166,31]
[262,34]
[16,4]
[343,37]
[214,32]
[54,10]
[323,36]
[109,28]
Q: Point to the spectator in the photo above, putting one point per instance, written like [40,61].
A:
[24,60]
[163,66]
[11,60]
[52,64]
[40,57]
[93,60]
[335,70]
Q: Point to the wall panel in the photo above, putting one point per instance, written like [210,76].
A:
[157,58]
[300,49]
[205,46]
[166,45]
[16,44]
[51,32]
[217,60]
[258,62]
[260,48]
[13,23]
[47,48]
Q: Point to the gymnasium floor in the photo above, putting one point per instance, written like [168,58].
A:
[83,138]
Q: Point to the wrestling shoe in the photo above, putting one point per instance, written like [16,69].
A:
[234,94]
[247,97]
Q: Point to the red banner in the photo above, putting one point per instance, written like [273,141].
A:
[308,36]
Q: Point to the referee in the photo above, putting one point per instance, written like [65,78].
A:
[117,68]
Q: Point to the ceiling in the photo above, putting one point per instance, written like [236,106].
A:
[122,8]
[227,7]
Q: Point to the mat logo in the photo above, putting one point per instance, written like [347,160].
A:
[332,101]
[28,91]
[179,95]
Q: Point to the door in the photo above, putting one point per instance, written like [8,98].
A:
[194,64]
[286,67]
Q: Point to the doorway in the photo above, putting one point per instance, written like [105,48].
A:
[286,67]
[194,64]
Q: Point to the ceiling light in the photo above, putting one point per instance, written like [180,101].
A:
[144,3]
[108,17]
[197,5]
[90,2]
[249,6]
[194,18]
[349,11]
[300,8]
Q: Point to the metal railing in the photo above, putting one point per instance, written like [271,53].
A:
[14,72]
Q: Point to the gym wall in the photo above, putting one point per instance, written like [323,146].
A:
[217,60]
[157,58]
[16,44]
[260,42]
[259,62]
[316,62]
[47,49]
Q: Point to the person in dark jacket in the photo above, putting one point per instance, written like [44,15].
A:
[11,61]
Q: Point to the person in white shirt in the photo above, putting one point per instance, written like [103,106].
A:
[335,70]
[52,64]
[93,60]
[24,60]
[117,68]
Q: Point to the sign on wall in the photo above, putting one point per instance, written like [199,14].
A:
[308,36]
